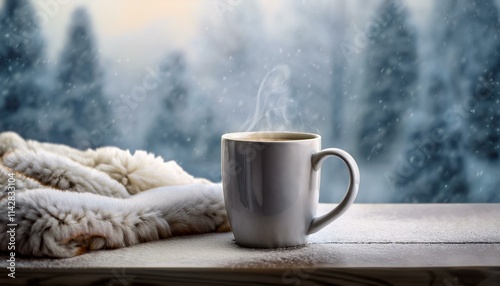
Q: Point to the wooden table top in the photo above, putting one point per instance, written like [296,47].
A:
[434,244]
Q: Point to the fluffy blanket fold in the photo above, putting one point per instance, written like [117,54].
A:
[61,202]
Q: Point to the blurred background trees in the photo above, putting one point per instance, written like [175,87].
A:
[391,72]
[418,105]
[22,93]
[79,88]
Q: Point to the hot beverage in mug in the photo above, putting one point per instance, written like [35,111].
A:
[271,186]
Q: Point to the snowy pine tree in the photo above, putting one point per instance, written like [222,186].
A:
[167,135]
[182,130]
[473,80]
[466,24]
[84,112]
[434,156]
[21,65]
[482,68]
[390,76]
[483,133]
[473,68]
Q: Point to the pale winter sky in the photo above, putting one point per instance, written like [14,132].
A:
[125,29]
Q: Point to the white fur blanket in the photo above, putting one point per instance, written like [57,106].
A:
[58,201]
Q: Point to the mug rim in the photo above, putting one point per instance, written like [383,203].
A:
[289,136]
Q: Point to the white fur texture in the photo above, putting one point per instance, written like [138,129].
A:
[137,173]
[61,173]
[69,201]
[64,224]
[21,183]
[140,171]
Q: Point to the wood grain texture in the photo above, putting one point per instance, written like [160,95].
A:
[275,276]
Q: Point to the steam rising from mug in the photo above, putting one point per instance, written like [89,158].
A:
[273,102]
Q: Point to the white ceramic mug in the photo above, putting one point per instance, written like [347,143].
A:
[271,186]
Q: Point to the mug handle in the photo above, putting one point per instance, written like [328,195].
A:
[317,160]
